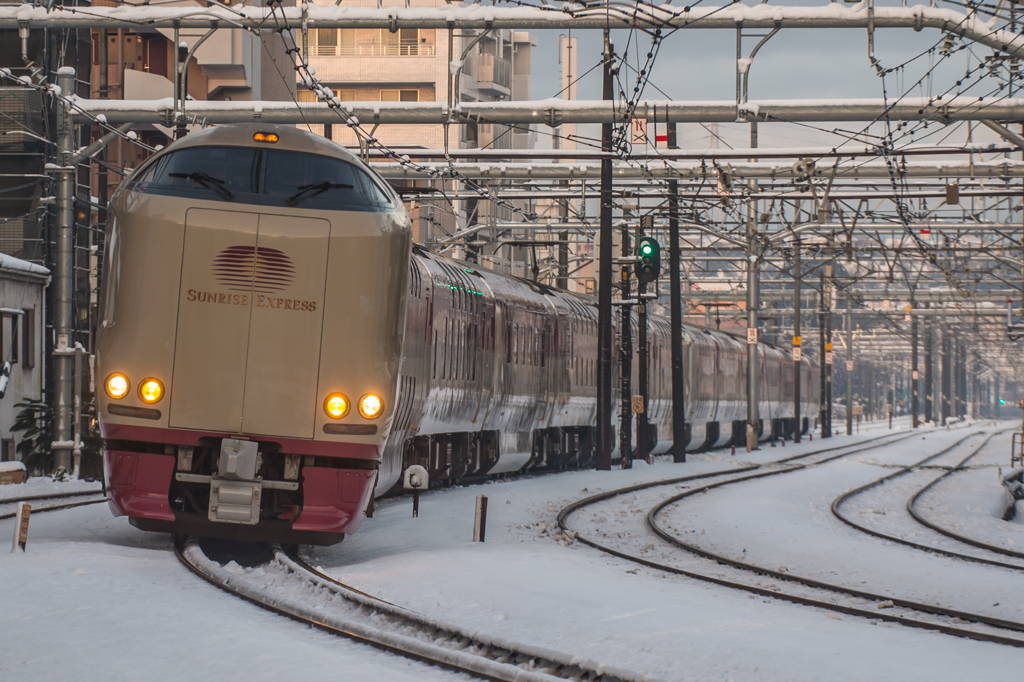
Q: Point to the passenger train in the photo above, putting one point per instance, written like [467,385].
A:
[274,352]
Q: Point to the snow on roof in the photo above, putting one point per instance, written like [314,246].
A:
[10,264]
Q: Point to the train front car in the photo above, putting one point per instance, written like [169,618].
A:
[250,336]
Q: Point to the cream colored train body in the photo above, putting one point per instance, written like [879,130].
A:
[274,352]
[260,300]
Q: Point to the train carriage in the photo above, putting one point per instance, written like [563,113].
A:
[274,352]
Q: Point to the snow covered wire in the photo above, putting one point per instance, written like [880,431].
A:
[307,75]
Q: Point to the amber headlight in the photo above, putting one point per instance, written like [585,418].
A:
[117,385]
[370,406]
[336,405]
[151,390]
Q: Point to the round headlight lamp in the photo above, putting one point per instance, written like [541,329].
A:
[370,406]
[336,405]
[117,385]
[151,390]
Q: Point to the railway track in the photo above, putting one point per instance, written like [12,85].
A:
[93,499]
[290,587]
[768,582]
[847,496]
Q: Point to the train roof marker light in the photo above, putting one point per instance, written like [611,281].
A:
[265,137]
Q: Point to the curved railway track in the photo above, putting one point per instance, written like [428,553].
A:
[842,499]
[950,533]
[53,496]
[339,609]
[864,604]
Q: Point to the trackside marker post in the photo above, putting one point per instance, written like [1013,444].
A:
[416,479]
[21,528]
[480,519]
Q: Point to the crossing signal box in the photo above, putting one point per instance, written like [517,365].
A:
[649,252]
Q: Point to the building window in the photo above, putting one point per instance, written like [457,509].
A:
[7,450]
[372,42]
[399,95]
[310,96]
[28,337]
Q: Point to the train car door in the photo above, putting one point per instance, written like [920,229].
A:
[283,358]
[484,353]
[214,306]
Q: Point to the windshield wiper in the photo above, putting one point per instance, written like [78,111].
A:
[315,188]
[208,181]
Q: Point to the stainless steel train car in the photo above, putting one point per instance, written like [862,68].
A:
[500,374]
[274,352]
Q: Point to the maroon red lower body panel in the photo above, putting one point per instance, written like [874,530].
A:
[334,500]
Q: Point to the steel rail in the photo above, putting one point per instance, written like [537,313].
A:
[818,584]
[49,496]
[796,599]
[55,507]
[945,531]
[839,501]
[600,497]
[472,653]
[567,16]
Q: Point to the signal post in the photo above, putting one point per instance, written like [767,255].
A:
[647,270]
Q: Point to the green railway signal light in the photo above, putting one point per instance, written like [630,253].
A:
[649,252]
[1002,402]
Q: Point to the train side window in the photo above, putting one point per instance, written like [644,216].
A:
[508,343]
[476,333]
[433,373]
[444,364]
[543,347]
[515,344]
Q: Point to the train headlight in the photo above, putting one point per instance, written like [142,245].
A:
[117,385]
[336,405]
[151,390]
[370,406]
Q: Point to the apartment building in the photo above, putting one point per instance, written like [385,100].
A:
[412,65]
[229,64]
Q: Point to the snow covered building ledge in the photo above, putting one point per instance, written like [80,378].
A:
[21,340]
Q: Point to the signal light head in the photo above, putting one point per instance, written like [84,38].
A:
[336,405]
[650,259]
[151,390]
[117,385]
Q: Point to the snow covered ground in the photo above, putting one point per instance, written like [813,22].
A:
[97,599]
[43,485]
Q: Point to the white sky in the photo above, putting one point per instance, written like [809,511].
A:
[795,64]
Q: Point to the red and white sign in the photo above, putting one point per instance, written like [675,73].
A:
[916,375]
[849,365]
[796,354]
[638,131]
[752,335]
[828,357]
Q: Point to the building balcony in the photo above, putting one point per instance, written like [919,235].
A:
[377,69]
[494,75]
[374,50]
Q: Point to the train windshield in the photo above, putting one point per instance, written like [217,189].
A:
[321,182]
[266,177]
[216,173]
